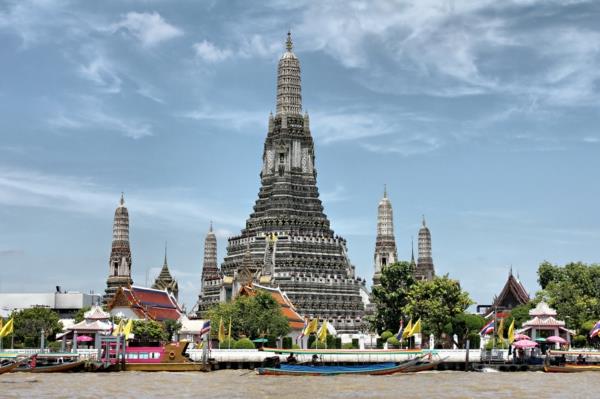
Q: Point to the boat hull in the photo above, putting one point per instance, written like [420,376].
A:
[8,368]
[188,366]
[372,369]
[59,368]
[571,368]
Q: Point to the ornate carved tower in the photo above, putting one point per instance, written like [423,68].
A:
[210,284]
[287,240]
[119,264]
[425,269]
[385,244]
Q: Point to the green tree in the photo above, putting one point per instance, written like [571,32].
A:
[464,325]
[436,302]
[520,314]
[149,330]
[573,290]
[29,323]
[251,316]
[391,296]
[79,316]
[172,327]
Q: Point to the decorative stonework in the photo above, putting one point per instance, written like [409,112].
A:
[287,240]
[385,244]
[119,264]
[210,285]
[165,281]
[425,269]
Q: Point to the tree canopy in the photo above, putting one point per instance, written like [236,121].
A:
[28,325]
[436,302]
[391,296]
[149,330]
[573,290]
[251,316]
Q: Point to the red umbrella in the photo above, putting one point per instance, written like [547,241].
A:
[555,339]
[84,338]
[519,337]
[525,343]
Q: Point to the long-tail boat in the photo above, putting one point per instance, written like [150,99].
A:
[50,363]
[572,361]
[8,367]
[322,370]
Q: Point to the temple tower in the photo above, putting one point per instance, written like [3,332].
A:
[287,238]
[385,244]
[119,264]
[425,269]
[210,283]
[165,281]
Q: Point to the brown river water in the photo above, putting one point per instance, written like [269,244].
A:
[243,384]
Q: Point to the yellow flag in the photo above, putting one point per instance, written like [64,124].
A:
[311,327]
[127,329]
[511,332]
[501,331]
[1,323]
[408,330]
[221,331]
[323,332]
[229,329]
[416,328]
[7,329]
[119,329]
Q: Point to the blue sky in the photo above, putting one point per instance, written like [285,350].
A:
[481,115]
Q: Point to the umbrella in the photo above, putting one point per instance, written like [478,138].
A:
[540,339]
[84,338]
[259,340]
[555,339]
[519,337]
[525,343]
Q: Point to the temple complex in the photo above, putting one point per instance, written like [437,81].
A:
[141,303]
[119,264]
[287,241]
[165,281]
[211,282]
[385,244]
[425,269]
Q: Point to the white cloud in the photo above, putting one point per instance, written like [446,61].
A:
[102,73]
[149,28]
[207,51]
[229,118]
[406,146]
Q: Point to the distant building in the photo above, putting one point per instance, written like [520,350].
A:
[425,269]
[385,243]
[119,264]
[512,295]
[66,304]
[165,281]
[543,324]
[144,303]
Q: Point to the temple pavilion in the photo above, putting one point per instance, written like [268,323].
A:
[544,324]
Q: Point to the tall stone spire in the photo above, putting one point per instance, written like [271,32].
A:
[211,278]
[309,262]
[119,264]
[425,269]
[165,280]
[289,93]
[385,244]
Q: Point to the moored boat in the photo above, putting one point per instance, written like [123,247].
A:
[170,357]
[50,363]
[572,361]
[8,367]
[322,370]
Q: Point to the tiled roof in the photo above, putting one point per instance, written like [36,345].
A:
[542,309]
[548,321]
[512,288]
[288,309]
[151,303]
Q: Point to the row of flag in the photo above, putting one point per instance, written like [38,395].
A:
[408,331]
[313,327]
[594,332]
[7,329]
[123,329]
[490,327]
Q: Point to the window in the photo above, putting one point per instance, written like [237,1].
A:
[281,157]
[144,355]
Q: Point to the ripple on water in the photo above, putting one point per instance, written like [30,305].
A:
[242,384]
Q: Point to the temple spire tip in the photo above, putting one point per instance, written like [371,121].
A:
[289,44]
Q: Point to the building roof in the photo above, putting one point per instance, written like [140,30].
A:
[147,303]
[542,309]
[287,307]
[513,294]
[96,313]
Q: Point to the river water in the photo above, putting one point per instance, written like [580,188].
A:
[244,384]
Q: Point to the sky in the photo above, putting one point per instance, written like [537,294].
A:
[482,116]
